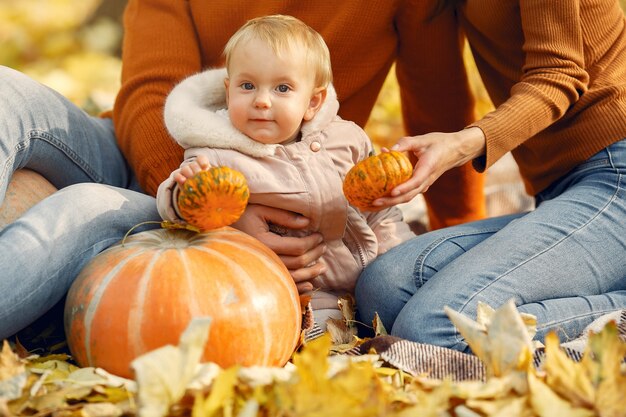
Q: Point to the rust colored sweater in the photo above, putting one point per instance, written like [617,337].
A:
[167,40]
[556,70]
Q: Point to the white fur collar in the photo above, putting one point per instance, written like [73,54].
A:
[193,117]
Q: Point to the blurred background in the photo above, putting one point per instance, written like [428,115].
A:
[70,45]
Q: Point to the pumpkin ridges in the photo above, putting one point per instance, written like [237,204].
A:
[375,177]
[248,290]
[213,198]
[150,308]
[405,169]
[105,313]
[77,333]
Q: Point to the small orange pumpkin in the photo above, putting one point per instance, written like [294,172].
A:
[375,177]
[140,295]
[213,198]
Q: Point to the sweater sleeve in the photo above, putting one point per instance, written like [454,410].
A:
[553,77]
[160,48]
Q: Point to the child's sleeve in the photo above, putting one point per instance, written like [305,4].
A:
[389,227]
[166,196]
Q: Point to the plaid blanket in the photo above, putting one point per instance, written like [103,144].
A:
[439,363]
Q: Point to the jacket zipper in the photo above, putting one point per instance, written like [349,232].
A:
[358,245]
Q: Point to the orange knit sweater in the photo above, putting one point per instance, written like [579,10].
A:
[167,40]
[556,70]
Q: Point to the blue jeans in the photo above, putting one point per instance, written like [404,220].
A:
[99,200]
[564,262]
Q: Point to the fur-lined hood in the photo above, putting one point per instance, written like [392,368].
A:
[196,116]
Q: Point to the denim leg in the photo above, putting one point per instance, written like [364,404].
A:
[391,280]
[45,132]
[43,251]
[562,262]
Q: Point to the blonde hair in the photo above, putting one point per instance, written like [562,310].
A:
[286,33]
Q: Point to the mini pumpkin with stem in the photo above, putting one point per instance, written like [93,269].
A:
[213,198]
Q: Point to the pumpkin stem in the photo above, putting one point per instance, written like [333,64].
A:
[136,226]
[165,224]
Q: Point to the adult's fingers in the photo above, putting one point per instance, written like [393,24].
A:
[306,274]
[303,259]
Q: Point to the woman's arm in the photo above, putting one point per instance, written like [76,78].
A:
[160,48]
[553,77]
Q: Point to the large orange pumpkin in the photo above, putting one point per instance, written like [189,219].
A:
[375,177]
[140,295]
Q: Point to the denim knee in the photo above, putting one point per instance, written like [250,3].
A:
[423,320]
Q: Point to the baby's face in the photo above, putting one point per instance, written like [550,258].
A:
[269,96]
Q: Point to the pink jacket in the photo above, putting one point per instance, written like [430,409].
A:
[304,177]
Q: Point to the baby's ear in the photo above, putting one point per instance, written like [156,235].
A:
[315,104]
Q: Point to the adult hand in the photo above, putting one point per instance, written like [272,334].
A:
[299,254]
[434,154]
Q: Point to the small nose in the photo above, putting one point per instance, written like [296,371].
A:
[262,100]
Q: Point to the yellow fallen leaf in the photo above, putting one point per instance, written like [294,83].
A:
[608,352]
[347,306]
[431,403]
[90,377]
[342,335]
[501,338]
[353,391]
[221,397]
[546,403]
[13,374]
[569,379]
[55,370]
[10,363]
[163,374]
[512,406]
[379,328]
[108,394]
[101,410]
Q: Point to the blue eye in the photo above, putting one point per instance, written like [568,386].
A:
[283,88]
[247,86]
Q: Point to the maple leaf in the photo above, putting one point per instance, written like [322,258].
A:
[221,396]
[429,403]
[509,406]
[13,374]
[10,363]
[547,403]
[608,352]
[500,338]
[163,374]
[596,382]
[353,391]
[379,327]
[343,331]
[569,379]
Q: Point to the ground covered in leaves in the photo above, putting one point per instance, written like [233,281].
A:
[172,382]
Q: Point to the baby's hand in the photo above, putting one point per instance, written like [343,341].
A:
[189,169]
